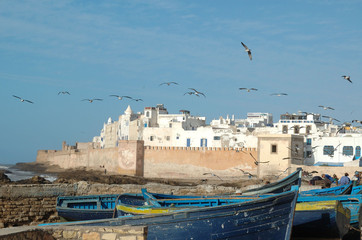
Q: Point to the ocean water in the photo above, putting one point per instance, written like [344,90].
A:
[17,175]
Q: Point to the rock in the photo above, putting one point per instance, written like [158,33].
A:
[4,178]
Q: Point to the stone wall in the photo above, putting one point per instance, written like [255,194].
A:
[132,158]
[68,232]
[193,162]
[34,204]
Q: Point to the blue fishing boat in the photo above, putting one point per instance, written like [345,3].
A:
[338,190]
[265,218]
[321,220]
[74,208]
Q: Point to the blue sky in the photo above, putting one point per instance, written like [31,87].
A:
[97,48]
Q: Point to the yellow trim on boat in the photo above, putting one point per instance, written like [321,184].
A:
[144,210]
[323,205]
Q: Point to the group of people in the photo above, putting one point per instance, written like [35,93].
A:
[343,181]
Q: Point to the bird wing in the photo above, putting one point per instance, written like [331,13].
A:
[254,89]
[16,97]
[174,83]
[98,99]
[202,94]
[86,99]
[246,48]
[28,101]
[193,89]
[162,83]
[127,97]
[242,88]
[330,108]
[251,57]
[113,95]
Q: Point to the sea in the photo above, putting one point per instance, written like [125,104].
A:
[16,174]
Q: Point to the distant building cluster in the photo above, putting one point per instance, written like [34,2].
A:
[324,142]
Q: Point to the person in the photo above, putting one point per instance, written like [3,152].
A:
[335,179]
[328,180]
[355,179]
[344,180]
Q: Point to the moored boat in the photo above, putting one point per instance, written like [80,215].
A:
[265,218]
[338,190]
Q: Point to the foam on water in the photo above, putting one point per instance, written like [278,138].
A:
[17,175]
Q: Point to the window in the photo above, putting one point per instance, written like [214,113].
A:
[328,150]
[285,129]
[147,114]
[296,129]
[168,138]
[347,150]
[152,138]
[203,142]
[308,129]
[309,154]
[358,152]
[170,125]
[274,148]
[309,141]
[217,137]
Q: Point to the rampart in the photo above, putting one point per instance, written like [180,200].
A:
[132,158]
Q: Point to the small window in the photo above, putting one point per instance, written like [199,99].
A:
[147,114]
[309,154]
[347,150]
[152,138]
[308,129]
[328,150]
[296,129]
[170,125]
[358,152]
[217,137]
[285,129]
[309,141]
[168,138]
[274,148]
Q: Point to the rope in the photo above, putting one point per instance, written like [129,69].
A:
[353,228]
[115,206]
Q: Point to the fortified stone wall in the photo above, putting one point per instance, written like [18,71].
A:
[131,158]
[191,162]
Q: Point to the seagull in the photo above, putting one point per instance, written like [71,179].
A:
[248,89]
[245,172]
[120,97]
[325,107]
[357,121]
[93,99]
[197,93]
[137,99]
[212,174]
[348,78]
[295,150]
[64,92]
[330,118]
[291,158]
[247,50]
[278,94]
[255,161]
[22,100]
[169,83]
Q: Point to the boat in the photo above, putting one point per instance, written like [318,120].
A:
[265,218]
[74,208]
[321,219]
[338,190]
[277,187]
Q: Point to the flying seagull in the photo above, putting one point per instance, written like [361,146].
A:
[120,97]
[348,78]
[93,99]
[169,83]
[212,174]
[325,107]
[245,172]
[197,93]
[278,94]
[247,50]
[248,89]
[330,118]
[64,92]
[22,99]
[357,121]
[137,99]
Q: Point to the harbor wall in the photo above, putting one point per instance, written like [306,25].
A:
[133,158]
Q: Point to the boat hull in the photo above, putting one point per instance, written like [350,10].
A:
[324,219]
[267,218]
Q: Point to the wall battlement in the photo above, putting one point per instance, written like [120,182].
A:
[200,149]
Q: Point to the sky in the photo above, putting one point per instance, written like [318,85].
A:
[94,49]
